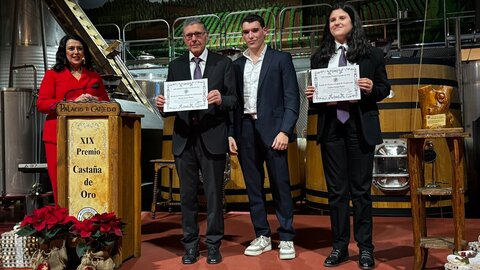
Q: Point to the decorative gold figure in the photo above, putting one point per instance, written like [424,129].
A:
[435,107]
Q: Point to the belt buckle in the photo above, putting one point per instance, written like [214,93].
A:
[250,116]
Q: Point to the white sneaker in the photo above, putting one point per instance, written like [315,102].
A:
[258,246]
[287,250]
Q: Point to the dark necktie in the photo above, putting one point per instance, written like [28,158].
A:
[342,106]
[197,73]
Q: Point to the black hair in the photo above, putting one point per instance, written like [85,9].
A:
[254,18]
[357,42]
[61,56]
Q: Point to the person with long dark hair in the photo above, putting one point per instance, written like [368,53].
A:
[348,132]
[71,78]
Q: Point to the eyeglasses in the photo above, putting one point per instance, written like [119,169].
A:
[189,36]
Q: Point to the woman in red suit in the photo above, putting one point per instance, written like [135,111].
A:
[71,78]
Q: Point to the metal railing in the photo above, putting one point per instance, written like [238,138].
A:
[280,29]
[181,19]
[297,29]
[272,33]
[150,40]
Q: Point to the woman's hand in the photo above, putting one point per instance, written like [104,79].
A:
[214,97]
[85,98]
[366,85]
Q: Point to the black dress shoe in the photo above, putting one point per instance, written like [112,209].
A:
[366,260]
[335,258]
[191,256]
[214,255]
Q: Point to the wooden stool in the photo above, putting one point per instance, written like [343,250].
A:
[418,191]
[158,165]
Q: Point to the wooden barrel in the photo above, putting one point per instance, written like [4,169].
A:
[399,115]
[235,190]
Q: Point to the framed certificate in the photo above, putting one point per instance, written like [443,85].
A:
[336,84]
[186,95]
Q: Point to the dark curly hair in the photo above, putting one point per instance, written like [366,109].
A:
[357,42]
[61,56]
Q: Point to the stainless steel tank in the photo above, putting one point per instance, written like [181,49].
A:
[471,90]
[18,140]
[471,116]
[27,40]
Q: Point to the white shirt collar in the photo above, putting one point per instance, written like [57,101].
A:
[246,53]
[202,56]
[337,45]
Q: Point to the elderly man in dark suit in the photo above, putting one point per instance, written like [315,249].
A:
[200,139]
[263,126]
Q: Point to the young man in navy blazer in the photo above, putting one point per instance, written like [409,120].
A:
[264,122]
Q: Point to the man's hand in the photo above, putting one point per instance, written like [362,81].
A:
[280,142]
[160,102]
[232,145]
[214,97]
[309,92]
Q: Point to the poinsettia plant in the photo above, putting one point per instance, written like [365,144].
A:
[100,232]
[47,223]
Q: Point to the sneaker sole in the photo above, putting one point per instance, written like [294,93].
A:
[257,252]
[287,256]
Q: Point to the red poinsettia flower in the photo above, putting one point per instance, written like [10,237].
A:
[47,223]
[85,228]
[98,232]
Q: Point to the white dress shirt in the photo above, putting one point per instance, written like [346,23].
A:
[335,58]
[334,61]
[251,76]
[202,56]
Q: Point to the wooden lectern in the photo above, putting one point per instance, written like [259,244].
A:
[99,165]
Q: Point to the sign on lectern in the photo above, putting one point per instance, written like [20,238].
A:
[98,164]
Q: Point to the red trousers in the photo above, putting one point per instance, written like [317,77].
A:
[51,153]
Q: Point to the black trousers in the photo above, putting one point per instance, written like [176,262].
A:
[194,158]
[252,154]
[348,163]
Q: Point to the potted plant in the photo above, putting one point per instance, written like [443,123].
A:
[98,240]
[51,226]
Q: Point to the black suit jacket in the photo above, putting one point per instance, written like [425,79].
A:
[213,122]
[278,99]
[371,66]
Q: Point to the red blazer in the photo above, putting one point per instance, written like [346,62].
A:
[53,89]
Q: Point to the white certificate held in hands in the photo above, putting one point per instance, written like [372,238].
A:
[336,84]
[186,95]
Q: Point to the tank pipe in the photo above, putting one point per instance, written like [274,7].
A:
[44,42]
[3,179]
[13,42]
[458,64]
[398,26]
[445,23]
